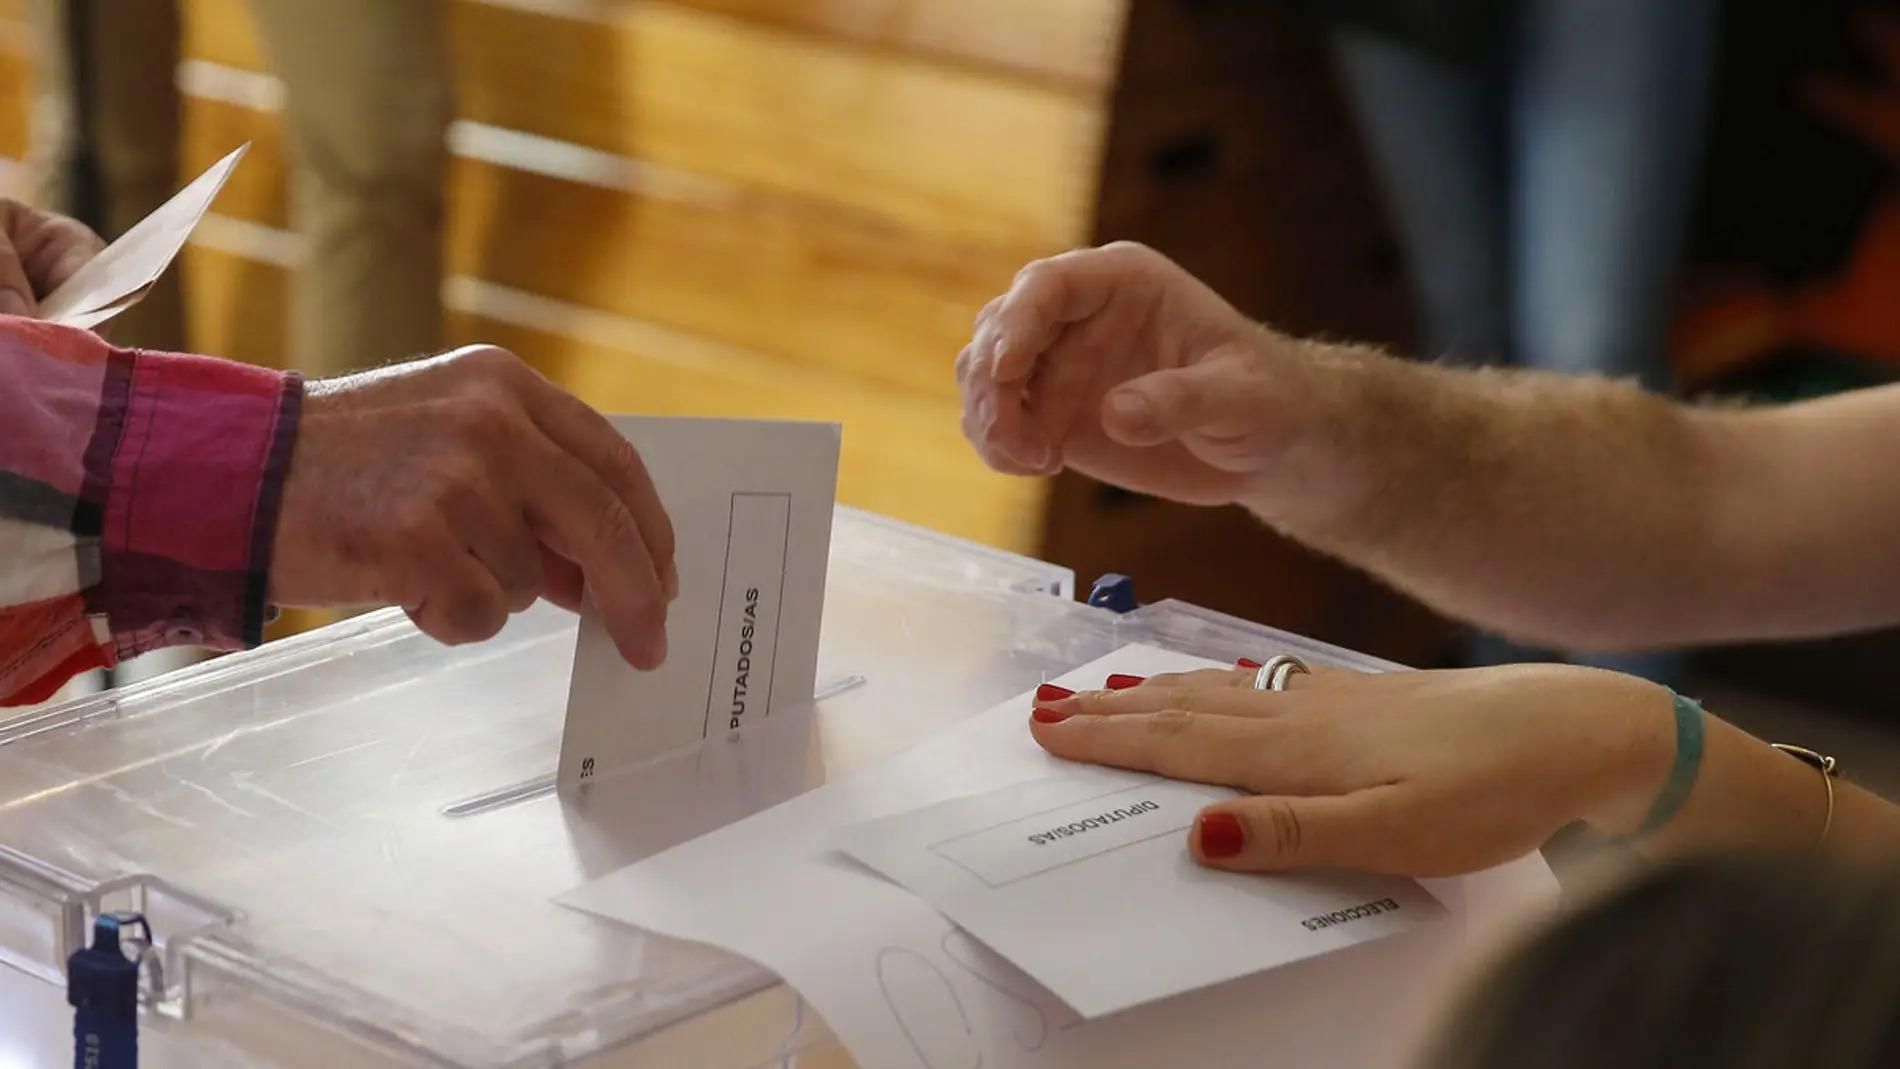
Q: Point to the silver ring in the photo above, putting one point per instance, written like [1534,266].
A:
[1279,668]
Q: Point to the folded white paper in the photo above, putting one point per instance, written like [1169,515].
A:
[904,988]
[1084,882]
[751,504]
[119,277]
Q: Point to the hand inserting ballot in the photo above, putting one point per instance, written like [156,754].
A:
[465,487]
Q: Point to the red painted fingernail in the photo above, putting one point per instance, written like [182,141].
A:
[1049,716]
[1118,681]
[1049,692]
[1247,662]
[1221,835]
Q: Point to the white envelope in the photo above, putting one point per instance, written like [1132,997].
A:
[120,277]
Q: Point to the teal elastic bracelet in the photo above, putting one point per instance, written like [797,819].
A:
[1675,790]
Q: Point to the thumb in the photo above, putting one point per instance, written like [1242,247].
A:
[1219,395]
[1275,834]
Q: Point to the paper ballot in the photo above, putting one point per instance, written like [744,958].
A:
[906,988]
[119,277]
[1105,851]
[751,504]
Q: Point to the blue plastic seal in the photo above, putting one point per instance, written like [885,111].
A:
[102,984]
[1114,592]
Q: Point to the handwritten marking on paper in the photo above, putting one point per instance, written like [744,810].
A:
[916,990]
[963,949]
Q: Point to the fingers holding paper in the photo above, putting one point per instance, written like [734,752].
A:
[1411,773]
[38,251]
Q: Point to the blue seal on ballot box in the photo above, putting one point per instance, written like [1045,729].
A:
[102,984]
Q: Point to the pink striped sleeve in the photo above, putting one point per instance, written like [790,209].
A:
[138,501]
[192,489]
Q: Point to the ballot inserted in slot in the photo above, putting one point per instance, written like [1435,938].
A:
[751,504]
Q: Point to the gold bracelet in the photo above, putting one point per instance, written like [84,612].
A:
[1827,767]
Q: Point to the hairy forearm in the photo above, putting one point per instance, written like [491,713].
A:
[1563,510]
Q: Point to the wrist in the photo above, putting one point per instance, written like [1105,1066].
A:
[1320,468]
[1637,721]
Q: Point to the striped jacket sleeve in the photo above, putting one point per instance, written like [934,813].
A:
[138,501]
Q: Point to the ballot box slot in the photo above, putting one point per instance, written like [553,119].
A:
[542,785]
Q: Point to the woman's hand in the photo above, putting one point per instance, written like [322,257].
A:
[1411,773]
[38,251]
[1116,362]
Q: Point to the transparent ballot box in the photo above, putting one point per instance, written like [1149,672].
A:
[347,842]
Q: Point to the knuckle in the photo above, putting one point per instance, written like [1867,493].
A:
[1133,251]
[615,525]
[1186,699]
[988,311]
[79,234]
[414,520]
[623,462]
[1277,831]
[491,361]
[459,485]
[1171,723]
[479,420]
[1252,376]
[1035,273]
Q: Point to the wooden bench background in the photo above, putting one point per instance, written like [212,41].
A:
[713,207]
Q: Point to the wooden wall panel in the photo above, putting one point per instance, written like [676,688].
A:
[928,147]
[16,79]
[776,274]
[235,306]
[1070,42]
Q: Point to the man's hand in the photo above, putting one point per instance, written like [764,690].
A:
[463,488]
[38,251]
[1117,363]
[1465,489]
